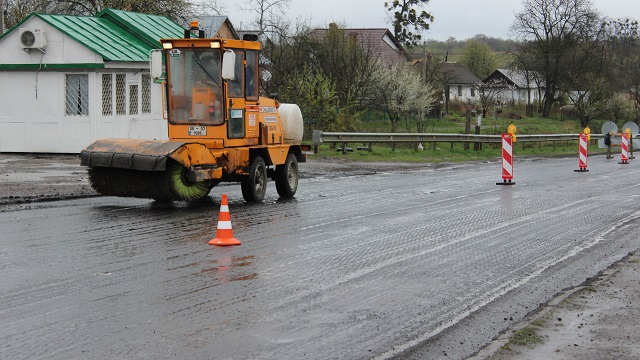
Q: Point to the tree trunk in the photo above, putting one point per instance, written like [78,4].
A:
[548,102]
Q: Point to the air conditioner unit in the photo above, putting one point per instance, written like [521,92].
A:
[32,39]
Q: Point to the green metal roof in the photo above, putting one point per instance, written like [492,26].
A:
[149,28]
[104,37]
[113,34]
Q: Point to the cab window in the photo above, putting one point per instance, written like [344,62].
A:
[251,75]
[195,94]
[236,85]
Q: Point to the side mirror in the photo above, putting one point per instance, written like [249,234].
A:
[156,64]
[229,65]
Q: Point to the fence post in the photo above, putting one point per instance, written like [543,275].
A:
[316,140]
[467,128]
[478,146]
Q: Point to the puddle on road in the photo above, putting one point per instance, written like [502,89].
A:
[225,270]
[37,176]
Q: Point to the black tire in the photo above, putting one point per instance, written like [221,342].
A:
[287,177]
[254,186]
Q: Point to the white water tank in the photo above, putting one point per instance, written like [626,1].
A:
[292,124]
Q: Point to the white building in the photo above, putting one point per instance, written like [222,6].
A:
[519,86]
[460,82]
[66,81]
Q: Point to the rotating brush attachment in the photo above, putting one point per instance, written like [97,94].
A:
[129,183]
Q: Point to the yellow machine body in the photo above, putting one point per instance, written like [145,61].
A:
[217,125]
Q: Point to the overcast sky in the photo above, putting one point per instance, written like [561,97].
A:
[461,19]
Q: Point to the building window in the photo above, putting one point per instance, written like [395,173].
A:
[146,94]
[121,95]
[107,94]
[133,99]
[130,97]
[459,90]
[473,92]
[77,94]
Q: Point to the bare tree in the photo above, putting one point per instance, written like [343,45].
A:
[551,30]
[489,94]
[521,63]
[268,14]
[180,11]
[19,9]
[211,7]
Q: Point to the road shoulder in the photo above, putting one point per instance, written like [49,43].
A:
[597,320]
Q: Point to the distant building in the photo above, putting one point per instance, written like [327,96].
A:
[519,86]
[378,42]
[460,83]
[218,27]
[66,81]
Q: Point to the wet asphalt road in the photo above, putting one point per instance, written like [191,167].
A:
[414,264]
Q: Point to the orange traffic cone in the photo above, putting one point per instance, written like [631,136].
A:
[224,233]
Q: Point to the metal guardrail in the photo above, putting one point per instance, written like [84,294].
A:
[320,137]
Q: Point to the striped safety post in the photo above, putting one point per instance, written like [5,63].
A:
[507,160]
[582,161]
[624,148]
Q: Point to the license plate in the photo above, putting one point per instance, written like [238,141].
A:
[197,131]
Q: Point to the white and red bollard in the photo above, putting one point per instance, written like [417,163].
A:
[624,148]
[507,160]
[582,161]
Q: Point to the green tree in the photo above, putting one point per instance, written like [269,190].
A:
[400,91]
[346,63]
[587,80]
[479,58]
[316,97]
[318,57]
[409,20]
[620,108]
[623,41]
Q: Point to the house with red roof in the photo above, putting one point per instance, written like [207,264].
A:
[378,42]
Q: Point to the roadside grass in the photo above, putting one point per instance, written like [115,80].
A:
[527,336]
[455,152]
[446,152]
[490,125]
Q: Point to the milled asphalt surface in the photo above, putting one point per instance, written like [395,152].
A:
[598,320]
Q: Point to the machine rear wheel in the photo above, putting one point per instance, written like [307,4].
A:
[287,177]
[254,186]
